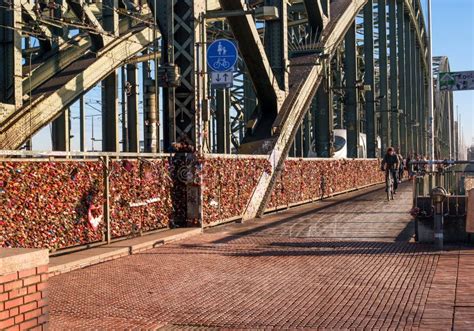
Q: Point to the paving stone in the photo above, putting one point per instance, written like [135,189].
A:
[352,265]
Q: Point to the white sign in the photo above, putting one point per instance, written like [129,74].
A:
[340,144]
[222,79]
[456,81]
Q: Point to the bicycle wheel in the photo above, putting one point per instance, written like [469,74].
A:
[391,191]
[388,187]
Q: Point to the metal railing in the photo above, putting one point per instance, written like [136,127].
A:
[440,191]
[74,163]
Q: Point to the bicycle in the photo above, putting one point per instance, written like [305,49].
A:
[221,63]
[389,186]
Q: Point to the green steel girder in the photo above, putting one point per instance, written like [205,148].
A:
[306,80]
[18,127]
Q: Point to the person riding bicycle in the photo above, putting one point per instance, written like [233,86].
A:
[390,163]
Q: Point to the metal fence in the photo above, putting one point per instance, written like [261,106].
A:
[63,200]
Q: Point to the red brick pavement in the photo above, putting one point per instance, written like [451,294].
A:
[350,266]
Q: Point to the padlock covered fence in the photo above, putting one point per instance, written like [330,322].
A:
[53,204]
[230,180]
[59,203]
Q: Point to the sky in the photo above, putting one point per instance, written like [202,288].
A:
[453,36]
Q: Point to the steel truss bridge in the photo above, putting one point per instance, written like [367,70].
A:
[312,67]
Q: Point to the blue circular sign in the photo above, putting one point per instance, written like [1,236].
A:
[222,55]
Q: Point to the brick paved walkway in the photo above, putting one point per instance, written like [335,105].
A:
[347,266]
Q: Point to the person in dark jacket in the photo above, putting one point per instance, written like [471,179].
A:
[390,163]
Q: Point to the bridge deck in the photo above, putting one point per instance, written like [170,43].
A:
[350,265]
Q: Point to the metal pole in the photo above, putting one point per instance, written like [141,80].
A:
[157,102]
[82,125]
[106,199]
[402,77]
[430,85]
[394,96]
[371,128]
[352,94]
[124,112]
[385,115]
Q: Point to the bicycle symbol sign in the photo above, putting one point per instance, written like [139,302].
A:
[222,55]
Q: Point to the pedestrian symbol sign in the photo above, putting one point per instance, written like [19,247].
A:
[222,55]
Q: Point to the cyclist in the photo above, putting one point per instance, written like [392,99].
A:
[390,163]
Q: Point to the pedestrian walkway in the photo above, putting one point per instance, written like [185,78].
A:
[352,265]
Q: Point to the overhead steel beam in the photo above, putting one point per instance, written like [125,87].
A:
[416,21]
[421,38]
[16,129]
[46,32]
[318,14]
[82,11]
[304,85]
[252,50]
[63,56]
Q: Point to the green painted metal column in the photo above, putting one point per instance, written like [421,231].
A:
[307,134]
[110,85]
[352,100]
[323,119]
[82,125]
[402,77]
[276,42]
[132,109]
[299,142]
[338,82]
[420,85]
[414,88]
[250,97]
[61,132]
[394,95]
[150,136]
[222,120]
[384,114]
[409,86]
[371,129]
[424,112]
[11,76]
